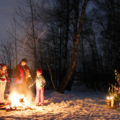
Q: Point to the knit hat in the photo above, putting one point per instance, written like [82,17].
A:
[24,60]
[39,71]
[1,65]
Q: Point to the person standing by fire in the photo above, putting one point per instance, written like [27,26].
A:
[3,81]
[40,84]
[22,76]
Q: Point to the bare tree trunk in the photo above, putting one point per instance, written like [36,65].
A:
[14,20]
[33,35]
[76,16]
[67,35]
[7,54]
[60,58]
[75,50]
[49,69]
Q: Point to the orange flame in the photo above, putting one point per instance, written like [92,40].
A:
[15,100]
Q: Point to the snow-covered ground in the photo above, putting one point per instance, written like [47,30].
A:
[68,106]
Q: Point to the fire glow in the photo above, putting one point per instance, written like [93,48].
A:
[18,101]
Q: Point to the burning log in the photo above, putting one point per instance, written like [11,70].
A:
[15,108]
[21,100]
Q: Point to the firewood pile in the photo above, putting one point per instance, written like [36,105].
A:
[10,107]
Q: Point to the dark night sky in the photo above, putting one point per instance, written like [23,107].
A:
[7,10]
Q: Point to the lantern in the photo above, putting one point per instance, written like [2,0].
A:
[110,101]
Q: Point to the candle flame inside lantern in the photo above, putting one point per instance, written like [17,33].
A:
[110,97]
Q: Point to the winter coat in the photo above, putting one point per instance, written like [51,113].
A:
[40,82]
[3,75]
[22,74]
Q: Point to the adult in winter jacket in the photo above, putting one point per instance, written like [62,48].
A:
[3,81]
[23,77]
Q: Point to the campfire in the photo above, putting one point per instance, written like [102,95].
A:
[18,102]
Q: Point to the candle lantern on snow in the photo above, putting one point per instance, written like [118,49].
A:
[113,100]
[110,102]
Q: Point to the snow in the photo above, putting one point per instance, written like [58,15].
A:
[69,106]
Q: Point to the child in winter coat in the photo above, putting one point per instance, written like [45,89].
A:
[3,81]
[40,84]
